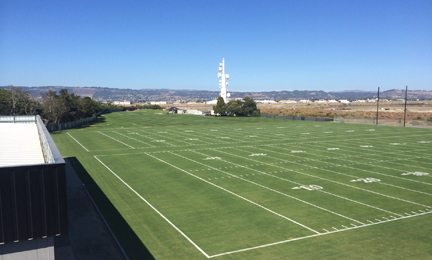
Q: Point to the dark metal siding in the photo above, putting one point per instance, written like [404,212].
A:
[32,202]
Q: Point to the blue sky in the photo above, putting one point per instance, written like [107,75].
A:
[267,45]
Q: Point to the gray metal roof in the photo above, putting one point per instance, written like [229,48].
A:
[20,145]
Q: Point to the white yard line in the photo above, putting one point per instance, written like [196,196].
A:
[353,176]
[116,140]
[77,142]
[374,192]
[273,190]
[177,139]
[359,169]
[203,148]
[243,198]
[329,193]
[148,203]
[133,139]
[153,139]
[259,145]
[392,160]
[315,235]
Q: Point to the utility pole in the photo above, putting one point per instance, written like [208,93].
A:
[377,106]
[406,94]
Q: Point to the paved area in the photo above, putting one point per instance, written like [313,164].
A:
[89,237]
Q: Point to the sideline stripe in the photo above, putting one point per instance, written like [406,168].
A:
[116,140]
[78,142]
[243,198]
[167,220]
[316,235]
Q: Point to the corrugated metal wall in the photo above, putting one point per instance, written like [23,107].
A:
[32,202]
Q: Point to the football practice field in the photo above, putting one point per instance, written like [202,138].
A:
[194,187]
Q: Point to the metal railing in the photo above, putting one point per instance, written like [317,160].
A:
[18,119]
[43,132]
[50,151]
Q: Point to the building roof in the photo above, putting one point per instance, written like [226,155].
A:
[20,145]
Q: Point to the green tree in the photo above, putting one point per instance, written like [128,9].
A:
[234,107]
[88,107]
[250,107]
[54,109]
[220,106]
[15,101]
[4,102]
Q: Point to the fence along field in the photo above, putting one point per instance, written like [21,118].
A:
[243,188]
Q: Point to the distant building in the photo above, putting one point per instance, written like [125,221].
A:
[211,102]
[321,101]
[189,111]
[122,103]
[344,101]
[158,102]
[265,101]
[305,101]
[287,102]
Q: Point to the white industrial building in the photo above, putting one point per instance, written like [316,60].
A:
[266,101]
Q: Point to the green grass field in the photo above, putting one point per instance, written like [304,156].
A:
[194,187]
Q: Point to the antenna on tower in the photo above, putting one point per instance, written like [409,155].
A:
[223,81]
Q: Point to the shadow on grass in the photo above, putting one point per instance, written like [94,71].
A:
[130,242]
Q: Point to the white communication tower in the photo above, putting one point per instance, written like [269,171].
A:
[223,81]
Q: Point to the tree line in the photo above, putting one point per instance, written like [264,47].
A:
[236,107]
[54,108]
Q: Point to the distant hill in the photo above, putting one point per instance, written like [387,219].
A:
[112,94]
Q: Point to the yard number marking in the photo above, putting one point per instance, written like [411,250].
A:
[366,180]
[212,158]
[424,142]
[416,173]
[309,187]
[258,154]
[366,146]
[297,151]
[332,149]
